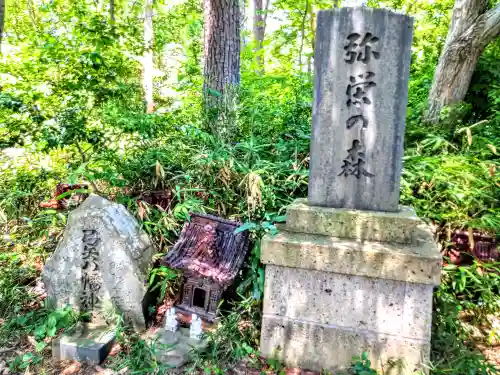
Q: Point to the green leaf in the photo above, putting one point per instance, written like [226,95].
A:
[40,346]
[52,321]
[27,357]
[40,331]
[51,332]
[244,227]
[280,219]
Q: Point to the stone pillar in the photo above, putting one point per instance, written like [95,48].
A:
[352,270]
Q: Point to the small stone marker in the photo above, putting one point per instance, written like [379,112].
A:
[86,343]
[175,349]
[102,262]
[171,323]
[362,60]
[196,329]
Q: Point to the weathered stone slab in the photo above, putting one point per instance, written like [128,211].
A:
[102,262]
[86,343]
[175,349]
[410,263]
[402,226]
[354,303]
[362,60]
[321,346]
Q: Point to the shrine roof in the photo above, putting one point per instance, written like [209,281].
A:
[208,247]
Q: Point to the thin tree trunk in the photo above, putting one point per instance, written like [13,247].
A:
[222,64]
[259,30]
[147,62]
[112,11]
[472,28]
[303,34]
[2,21]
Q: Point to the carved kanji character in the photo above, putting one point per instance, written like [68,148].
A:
[362,51]
[357,91]
[353,164]
[354,120]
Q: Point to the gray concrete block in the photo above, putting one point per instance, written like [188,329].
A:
[320,346]
[350,302]
[412,263]
[402,226]
[87,343]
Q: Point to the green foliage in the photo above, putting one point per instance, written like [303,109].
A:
[166,280]
[138,355]
[71,98]
[362,366]
[236,338]
[43,324]
[464,292]
[13,278]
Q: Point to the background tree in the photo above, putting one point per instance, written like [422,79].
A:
[147,62]
[472,28]
[2,18]
[112,11]
[260,11]
[222,64]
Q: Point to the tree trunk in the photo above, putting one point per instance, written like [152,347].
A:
[303,33]
[147,63]
[2,21]
[112,11]
[222,65]
[472,27]
[260,9]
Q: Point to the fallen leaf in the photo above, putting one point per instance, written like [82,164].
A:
[38,264]
[469,136]
[115,350]
[31,340]
[141,210]
[492,148]
[492,169]
[72,369]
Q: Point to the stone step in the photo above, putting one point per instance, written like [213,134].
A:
[415,263]
[400,227]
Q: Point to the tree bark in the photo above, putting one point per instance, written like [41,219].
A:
[260,10]
[2,21]
[147,62]
[112,11]
[303,33]
[222,64]
[472,28]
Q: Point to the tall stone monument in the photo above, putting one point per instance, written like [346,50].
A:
[352,270]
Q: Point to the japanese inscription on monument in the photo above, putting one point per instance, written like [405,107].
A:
[91,277]
[362,59]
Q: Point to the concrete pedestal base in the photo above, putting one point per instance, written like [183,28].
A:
[329,298]
[175,348]
[88,342]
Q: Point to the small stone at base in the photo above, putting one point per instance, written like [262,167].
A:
[89,343]
[175,348]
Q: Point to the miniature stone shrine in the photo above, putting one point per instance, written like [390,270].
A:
[102,263]
[210,254]
[351,270]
